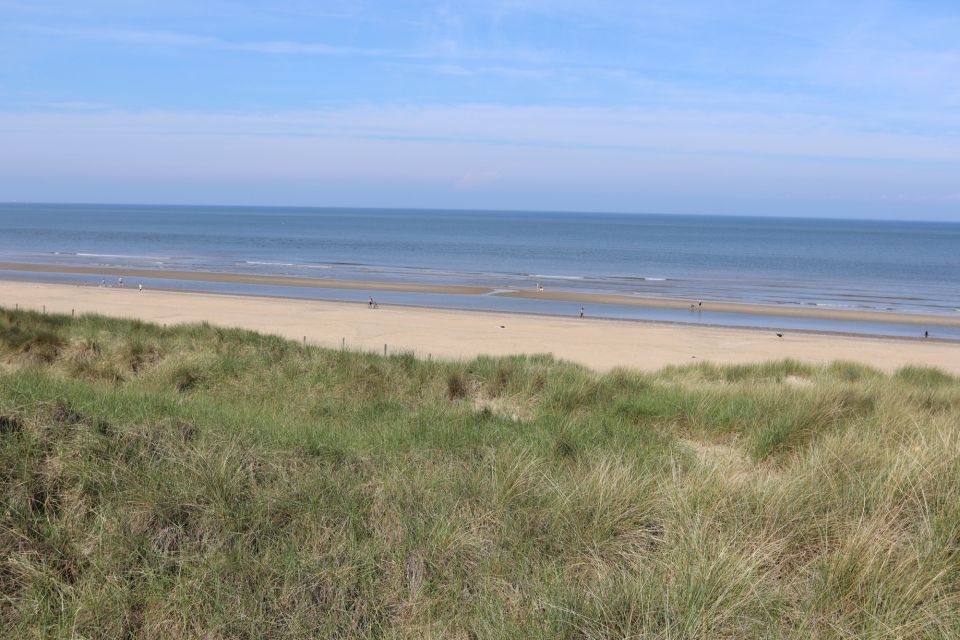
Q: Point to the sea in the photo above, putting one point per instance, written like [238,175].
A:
[868,265]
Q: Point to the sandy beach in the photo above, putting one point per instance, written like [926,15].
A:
[565,296]
[599,344]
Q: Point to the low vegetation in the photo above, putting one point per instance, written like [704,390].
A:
[201,482]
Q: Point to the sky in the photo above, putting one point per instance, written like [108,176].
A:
[828,109]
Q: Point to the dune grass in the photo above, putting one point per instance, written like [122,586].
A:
[201,482]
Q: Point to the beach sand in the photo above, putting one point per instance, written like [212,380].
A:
[599,344]
[565,296]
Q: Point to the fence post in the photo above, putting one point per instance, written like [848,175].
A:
[384,349]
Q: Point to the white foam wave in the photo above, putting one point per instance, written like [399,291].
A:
[116,255]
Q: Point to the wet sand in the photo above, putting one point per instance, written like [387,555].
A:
[243,278]
[439,333]
[565,296]
[736,307]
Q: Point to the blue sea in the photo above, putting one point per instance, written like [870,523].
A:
[911,267]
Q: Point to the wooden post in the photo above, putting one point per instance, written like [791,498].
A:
[384,349]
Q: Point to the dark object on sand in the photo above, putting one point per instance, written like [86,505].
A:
[779,335]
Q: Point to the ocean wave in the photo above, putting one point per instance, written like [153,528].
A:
[634,278]
[269,264]
[114,255]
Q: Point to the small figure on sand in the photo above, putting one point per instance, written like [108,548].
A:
[370,303]
[699,303]
[539,287]
[926,334]
[140,287]
[120,282]
[581,312]
[103,283]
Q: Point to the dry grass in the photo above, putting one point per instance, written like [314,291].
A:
[200,482]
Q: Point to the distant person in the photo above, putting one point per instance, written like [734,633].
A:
[103,283]
[699,303]
[926,334]
[370,303]
[140,287]
[581,312]
[120,282]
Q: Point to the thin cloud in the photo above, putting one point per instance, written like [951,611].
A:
[177,39]
[79,106]
[439,49]
[649,132]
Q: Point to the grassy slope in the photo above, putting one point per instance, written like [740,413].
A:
[200,482]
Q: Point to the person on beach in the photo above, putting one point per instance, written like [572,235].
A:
[140,287]
[370,303]
[120,282]
[581,312]
[926,334]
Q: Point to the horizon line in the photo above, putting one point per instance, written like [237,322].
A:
[469,210]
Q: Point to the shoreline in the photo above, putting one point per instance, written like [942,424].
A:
[600,344]
[244,278]
[768,310]
[534,314]
[788,311]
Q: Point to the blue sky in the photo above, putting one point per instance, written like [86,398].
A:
[847,109]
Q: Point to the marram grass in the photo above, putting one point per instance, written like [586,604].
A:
[196,482]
